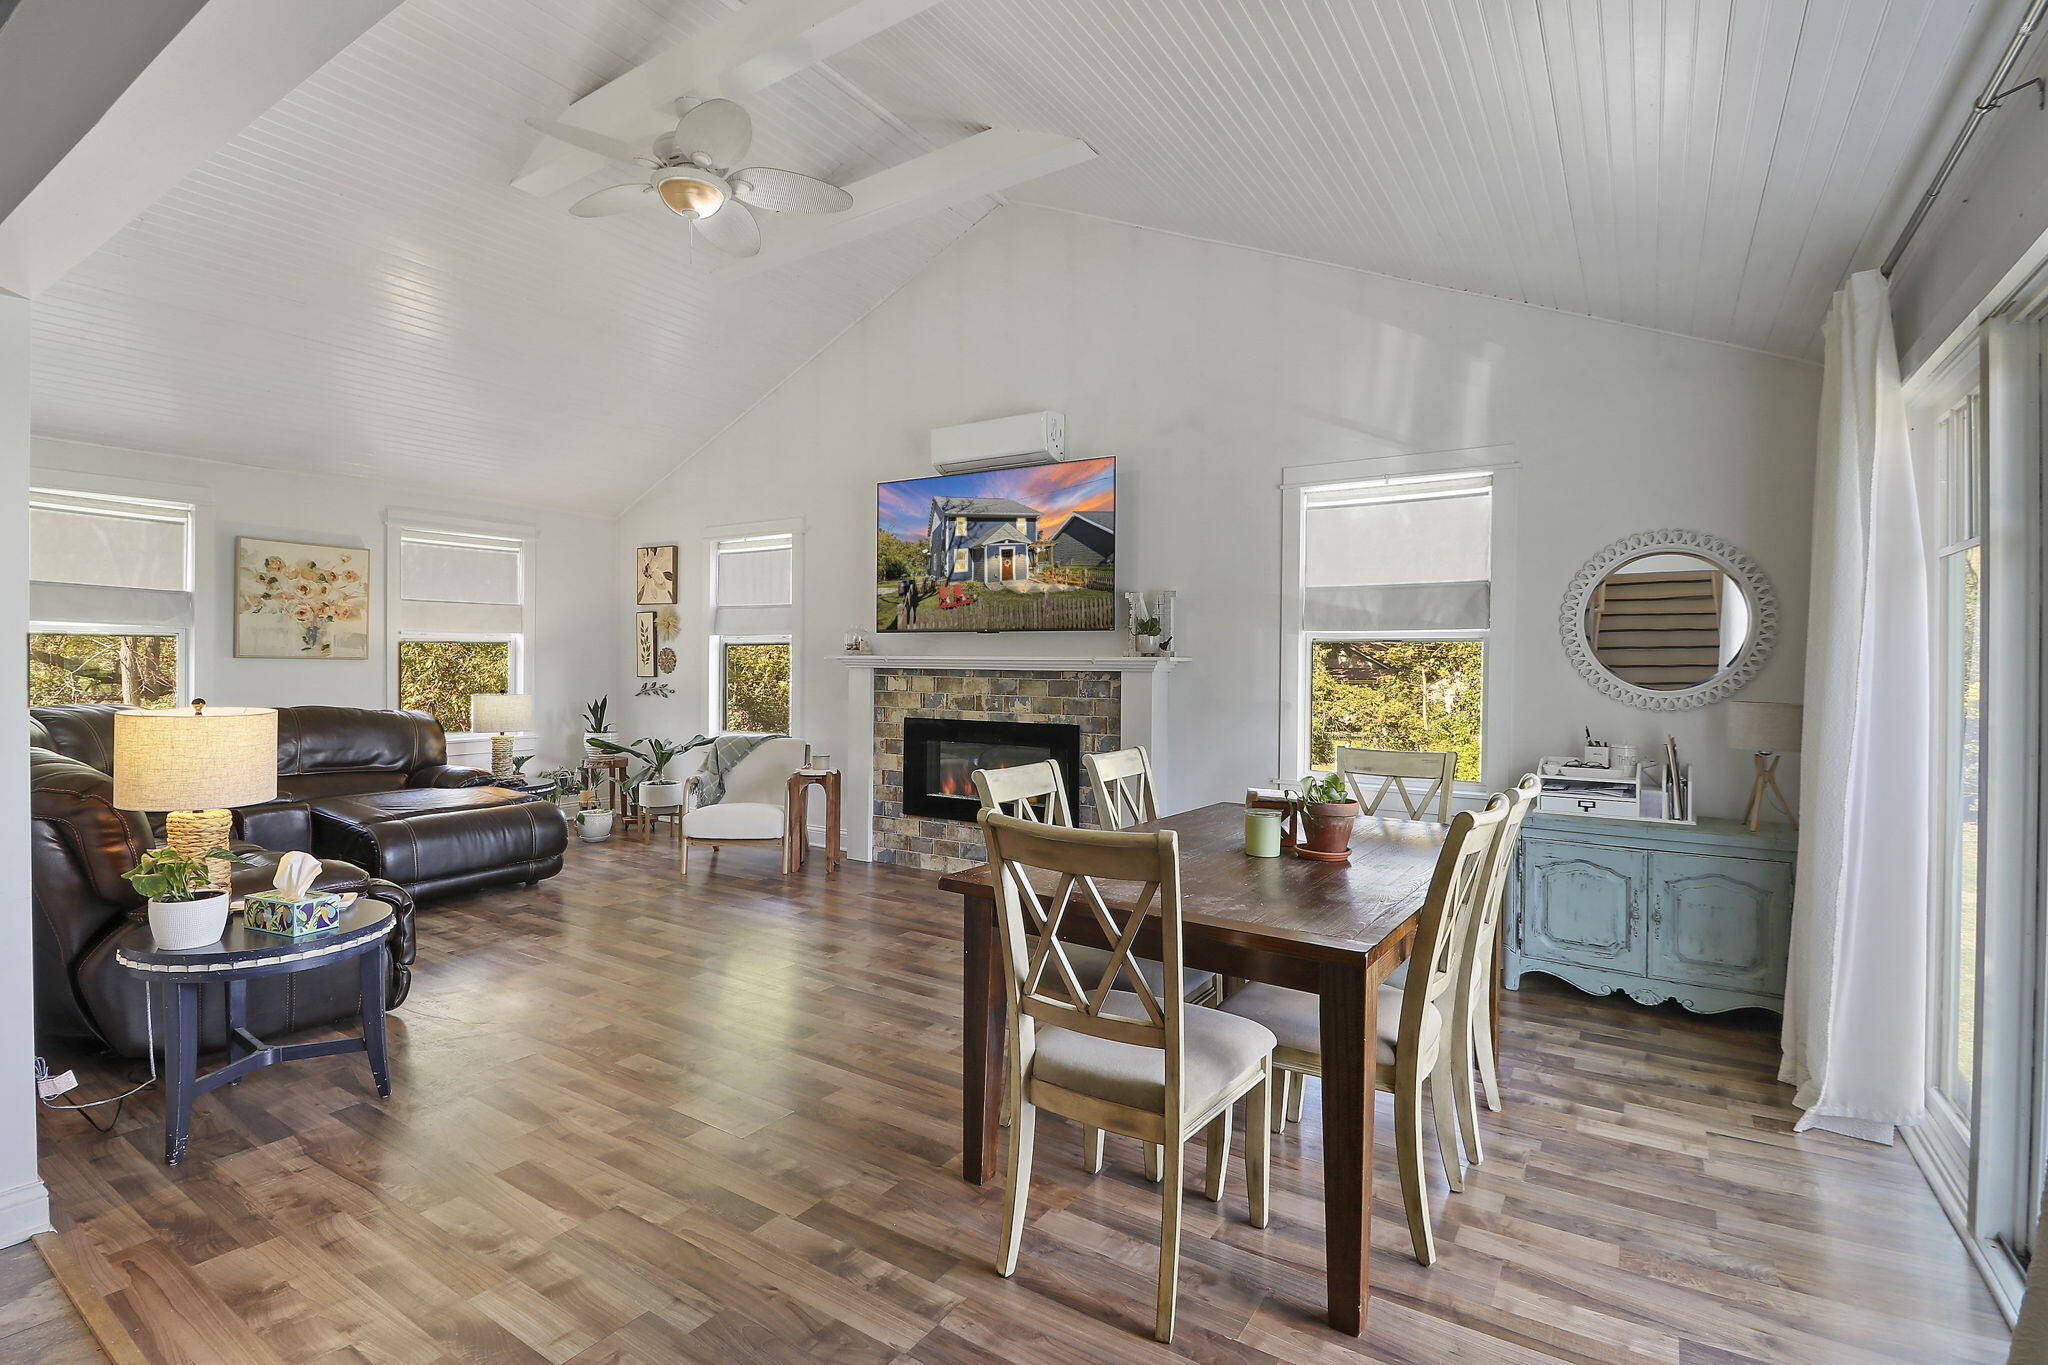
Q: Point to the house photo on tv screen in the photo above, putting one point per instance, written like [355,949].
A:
[1006,549]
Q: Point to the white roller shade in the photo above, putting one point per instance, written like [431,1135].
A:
[754,584]
[109,542]
[460,585]
[1398,555]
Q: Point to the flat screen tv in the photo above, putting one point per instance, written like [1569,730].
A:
[1009,549]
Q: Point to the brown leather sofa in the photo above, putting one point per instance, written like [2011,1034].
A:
[80,845]
[368,787]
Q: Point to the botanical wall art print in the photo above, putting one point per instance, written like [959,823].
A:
[654,575]
[298,601]
[643,644]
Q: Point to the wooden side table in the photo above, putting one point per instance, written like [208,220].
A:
[177,976]
[796,843]
[613,794]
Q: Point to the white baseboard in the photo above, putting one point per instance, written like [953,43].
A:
[24,1212]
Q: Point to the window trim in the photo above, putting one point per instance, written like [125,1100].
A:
[1496,736]
[181,691]
[787,626]
[401,524]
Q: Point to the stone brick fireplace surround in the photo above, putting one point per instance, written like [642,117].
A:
[1113,701]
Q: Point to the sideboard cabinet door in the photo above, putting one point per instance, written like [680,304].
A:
[1583,904]
[1720,921]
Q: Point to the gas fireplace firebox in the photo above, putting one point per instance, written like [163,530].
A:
[940,756]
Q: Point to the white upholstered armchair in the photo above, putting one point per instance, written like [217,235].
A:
[755,807]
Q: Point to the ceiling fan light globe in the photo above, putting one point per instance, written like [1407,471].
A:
[689,192]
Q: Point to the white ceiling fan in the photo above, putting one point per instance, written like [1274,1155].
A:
[692,175]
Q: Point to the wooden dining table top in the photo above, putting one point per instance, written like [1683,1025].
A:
[1322,911]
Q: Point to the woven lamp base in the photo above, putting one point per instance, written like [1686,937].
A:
[501,756]
[197,832]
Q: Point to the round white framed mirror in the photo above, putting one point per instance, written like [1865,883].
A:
[1669,620]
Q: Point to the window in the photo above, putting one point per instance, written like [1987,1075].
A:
[461,620]
[440,676]
[754,682]
[754,628]
[1394,593]
[959,561]
[110,598]
[1959,750]
[124,670]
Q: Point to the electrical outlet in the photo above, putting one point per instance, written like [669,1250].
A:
[50,1087]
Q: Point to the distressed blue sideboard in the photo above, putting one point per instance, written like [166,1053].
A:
[1700,914]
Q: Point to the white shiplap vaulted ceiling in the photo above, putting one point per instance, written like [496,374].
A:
[354,285]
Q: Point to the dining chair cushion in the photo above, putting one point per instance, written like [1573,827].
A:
[734,820]
[1216,1050]
[1295,1018]
[1091,963]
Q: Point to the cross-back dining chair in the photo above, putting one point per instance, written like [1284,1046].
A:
[1393,771]
[1038,792]
[1473,1029]
[1414,1043]
[1122,783]
[1139,1062]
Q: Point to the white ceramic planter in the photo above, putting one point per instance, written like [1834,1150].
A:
[662,796]
[594,826]
[607,736]
[189,924]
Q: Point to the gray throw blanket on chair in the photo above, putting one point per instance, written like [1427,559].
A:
[727,752]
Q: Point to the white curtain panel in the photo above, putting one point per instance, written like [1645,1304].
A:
[1856,997]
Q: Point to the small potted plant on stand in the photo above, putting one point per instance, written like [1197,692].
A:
[595,727]
[653,790]
[184,912]
[1327,814]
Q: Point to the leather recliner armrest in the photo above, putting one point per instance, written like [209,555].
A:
[442,775]
[281,825]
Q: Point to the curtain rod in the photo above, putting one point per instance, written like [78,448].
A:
[1994,91]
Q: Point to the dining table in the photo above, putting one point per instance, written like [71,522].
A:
[1336,929]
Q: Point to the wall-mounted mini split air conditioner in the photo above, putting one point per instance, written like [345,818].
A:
[1000,443]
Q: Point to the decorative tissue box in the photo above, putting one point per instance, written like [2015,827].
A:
[276,913]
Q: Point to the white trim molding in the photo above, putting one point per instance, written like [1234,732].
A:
[24,1212]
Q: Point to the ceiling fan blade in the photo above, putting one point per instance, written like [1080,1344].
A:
[719,130]
[587,140]
[616,199]
[733,230]
[788,192]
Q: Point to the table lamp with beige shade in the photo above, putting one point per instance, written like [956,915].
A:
[196,763]
[499,714]
[1769,730]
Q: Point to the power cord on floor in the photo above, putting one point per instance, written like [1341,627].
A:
[83,1109]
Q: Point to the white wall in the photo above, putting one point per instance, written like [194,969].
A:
[1206,369]
[24,1203]
[572,656]
[1991,214]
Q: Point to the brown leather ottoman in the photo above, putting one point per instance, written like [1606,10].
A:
[435,841]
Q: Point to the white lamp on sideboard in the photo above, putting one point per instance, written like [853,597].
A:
[195,763]
[1768,730]
[500,714]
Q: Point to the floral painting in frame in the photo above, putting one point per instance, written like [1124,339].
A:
[654,576]
[298,601]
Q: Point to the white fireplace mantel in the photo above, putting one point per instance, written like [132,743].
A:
[1143,721]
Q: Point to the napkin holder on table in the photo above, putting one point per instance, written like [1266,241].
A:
[292,907]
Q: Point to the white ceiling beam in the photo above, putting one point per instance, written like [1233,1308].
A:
[210,78]
[747,51]
[986,163]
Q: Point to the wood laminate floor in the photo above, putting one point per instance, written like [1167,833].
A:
[37,1323]
[642,1119]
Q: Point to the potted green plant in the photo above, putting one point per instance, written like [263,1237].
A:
[184,912]
[594,826]
[594,724]
[654,790]
[1327,814]
[1149,630]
